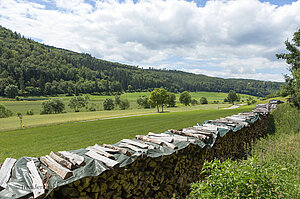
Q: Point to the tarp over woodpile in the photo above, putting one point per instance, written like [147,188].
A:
[121,154]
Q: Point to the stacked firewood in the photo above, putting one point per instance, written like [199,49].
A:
[166,176]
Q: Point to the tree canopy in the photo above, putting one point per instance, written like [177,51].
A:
[159,97]
[185,98]
[232,96]
[293,60]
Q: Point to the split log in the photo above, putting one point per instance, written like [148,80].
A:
[166,139]
[129,146]
[156,141]
[108,150]
[199,136]
[37,183]
[101,152]
[72,157]
[132,142]
[5,171]
[108,162]
[61,161]
[63,172]
[124,151]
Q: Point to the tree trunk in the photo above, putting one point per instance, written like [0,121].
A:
[162,108]
[157,108]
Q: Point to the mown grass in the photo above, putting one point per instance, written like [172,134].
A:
[13,123]
[41,140]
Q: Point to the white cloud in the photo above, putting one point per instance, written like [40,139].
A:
[239,37]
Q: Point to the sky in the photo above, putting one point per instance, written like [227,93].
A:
[220,38]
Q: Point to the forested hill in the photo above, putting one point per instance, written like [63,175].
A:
[38,69]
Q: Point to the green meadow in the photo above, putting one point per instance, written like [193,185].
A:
[39,141]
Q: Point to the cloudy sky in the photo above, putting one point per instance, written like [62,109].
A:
[223,38]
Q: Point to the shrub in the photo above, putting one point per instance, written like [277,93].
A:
[247,179]
[108,104]
[4,112]
[143,102]
[30,112]
[124,104]
[194,102]
[53,106]
[172,101]
[78,102]
[92,107]
[203,100]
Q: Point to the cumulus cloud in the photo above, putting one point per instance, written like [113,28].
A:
[240,38]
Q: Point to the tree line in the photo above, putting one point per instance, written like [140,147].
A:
[28,68]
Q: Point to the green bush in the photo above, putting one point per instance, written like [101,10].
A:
[246,179]
[124,104]
[53,106]
[4,112]
[194,102]
[30,112]
[203,100]
[92,107]
[143,102]
[108,104]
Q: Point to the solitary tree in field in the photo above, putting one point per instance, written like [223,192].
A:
[159,97]
[203,100]
[185,98]
[172,101]
[232,96]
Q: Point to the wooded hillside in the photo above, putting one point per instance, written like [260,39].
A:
[38,69]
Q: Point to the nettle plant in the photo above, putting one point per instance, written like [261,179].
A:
[246,179]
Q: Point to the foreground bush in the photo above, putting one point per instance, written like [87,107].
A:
[248,179]
[4,112]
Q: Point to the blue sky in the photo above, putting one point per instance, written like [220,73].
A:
[223,38]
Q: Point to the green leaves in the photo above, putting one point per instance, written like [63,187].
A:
[232,179]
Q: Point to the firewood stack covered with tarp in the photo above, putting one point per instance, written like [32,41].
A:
[156,165]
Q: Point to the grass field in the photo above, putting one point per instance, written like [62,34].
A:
[13,123]
[41,140]
[36,106]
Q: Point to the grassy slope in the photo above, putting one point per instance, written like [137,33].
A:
[282,146]
[40,141]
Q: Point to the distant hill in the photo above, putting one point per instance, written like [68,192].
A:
[38,69]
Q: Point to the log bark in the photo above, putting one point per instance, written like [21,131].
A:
[72,157]
[63,172]
[124,151]
[61,161]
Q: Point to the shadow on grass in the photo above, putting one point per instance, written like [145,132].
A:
[272,126]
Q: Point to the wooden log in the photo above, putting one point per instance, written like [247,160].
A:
[72,157]
[132,147]
[124,151]
[200,137]
[5,171]
[108,150]
[166,139]
[156,141]
[63,172]
[135,143]
[61,161]
[101,152]
[108,162]
[37,182]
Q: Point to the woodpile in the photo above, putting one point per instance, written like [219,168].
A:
[148,166]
